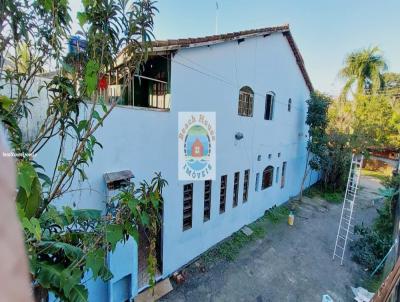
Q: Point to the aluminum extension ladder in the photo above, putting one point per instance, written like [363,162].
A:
[348,206]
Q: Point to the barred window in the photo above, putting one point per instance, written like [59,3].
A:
[246,185]
[246,100]
[187,206]
[236,189]
[207,200]
[267,178]
[222,198]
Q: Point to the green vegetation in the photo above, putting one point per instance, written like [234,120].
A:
[372,118]
[318,190]
[373,283]
[317,121]
[381,176]
[277,214]
[363,68]
[65,244]
[230,248]
[374,242]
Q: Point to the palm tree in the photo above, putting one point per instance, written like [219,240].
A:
[364,69]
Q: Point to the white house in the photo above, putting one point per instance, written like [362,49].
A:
[256,83]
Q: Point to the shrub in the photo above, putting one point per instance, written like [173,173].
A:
[374,242]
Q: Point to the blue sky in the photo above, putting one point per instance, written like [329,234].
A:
[324,30]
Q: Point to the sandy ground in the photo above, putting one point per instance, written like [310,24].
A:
[289,263]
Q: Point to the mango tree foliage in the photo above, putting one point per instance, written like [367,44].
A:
[375,122]
[317,122]
[65,244]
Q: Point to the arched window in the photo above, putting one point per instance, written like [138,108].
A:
[269,106]
[289,105]
[246,99]
[268,176]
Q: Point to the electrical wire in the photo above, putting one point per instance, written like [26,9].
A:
[220,78]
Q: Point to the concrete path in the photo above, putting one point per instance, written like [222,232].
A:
[289,264]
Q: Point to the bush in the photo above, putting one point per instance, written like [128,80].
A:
[374,242]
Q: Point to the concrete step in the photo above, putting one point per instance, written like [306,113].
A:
[160,289]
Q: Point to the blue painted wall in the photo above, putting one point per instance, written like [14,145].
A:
[145,141]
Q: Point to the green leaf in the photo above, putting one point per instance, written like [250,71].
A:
[103,105]
[154,200]
[25,176]
[86,3]
[96,115]
[92,67]
[78,294]
[72,252]
[114,234]
[68,214]
[67,67]
[33,227]
[82,125]
[56,276]
[5,102]
[45,178]
[95,261]
[20,212]
[132,231]
[30,204]
[144,217]
[69,279]
[48,274]
[82,18]
[132,204]
[87,214]
[47,5]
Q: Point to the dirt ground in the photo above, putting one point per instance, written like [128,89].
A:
[289,263]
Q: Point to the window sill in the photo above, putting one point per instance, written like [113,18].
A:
[144,108]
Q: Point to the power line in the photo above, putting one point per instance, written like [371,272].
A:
[222,79]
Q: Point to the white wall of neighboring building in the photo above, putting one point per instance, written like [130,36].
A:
[206,78]
[30,126]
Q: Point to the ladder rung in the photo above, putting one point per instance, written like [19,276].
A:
[347,220]
[337,256]
[337,245]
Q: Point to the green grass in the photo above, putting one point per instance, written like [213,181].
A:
[333,197]
[372,284]
[381,176]
[277,214]
[316,190]
[230,248]
[312,191]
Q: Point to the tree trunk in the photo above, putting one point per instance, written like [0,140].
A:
[304,177]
